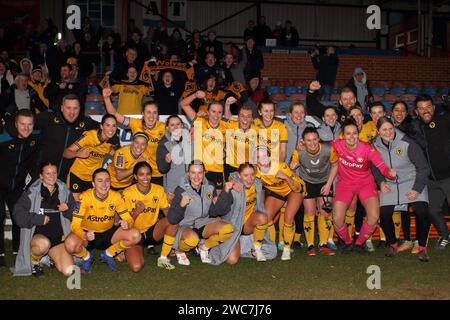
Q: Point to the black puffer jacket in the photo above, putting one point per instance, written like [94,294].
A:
[434,138]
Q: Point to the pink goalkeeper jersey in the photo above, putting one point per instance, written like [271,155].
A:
[354,165]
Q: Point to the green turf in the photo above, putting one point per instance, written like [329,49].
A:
[304,277]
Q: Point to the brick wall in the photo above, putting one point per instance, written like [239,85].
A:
[298,66]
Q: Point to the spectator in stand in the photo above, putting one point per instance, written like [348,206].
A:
[81,62]
[289,35]
[177,46]
[326,66]
[86,26]
[90,44]
[262,32]
[277,32]
[26,66]
[65,85]
[39,82]
[233,70]
[121,68]
[195,45]
[161,35]
[255,60]
[163,53]
[110,50]
[142,50]
[149,40]
[256,94]
[207,69]
[4,56]
[6,78]
[45,58]
[250,30]
[62,52]
[168,93]
[130,92]
[20,96]
[360,87]
[212,45]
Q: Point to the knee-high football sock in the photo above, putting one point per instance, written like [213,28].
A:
[167,245]
[366,231]
[188,244]
[281,225]
[259,233]
[272,231]
[323,229]
[309,228]
[116,248]
[289,230]
[344,234]
[223,235]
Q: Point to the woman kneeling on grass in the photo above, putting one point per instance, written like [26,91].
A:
[93,224]
[43,214]
[145,200]
[196,208]
[247,216]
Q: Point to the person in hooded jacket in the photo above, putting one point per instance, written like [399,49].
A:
[410,186]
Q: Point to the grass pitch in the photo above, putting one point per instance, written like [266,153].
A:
[320,277]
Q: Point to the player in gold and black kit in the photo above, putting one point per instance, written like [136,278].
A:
[93,224]
[209,137]
[90,151]
[121,168]
[153,128]
[144,200]
[282,186]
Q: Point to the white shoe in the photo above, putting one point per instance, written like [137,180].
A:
[286,255]
[204,254]
[164,262]
[259,254]
[182,258]
[370,246]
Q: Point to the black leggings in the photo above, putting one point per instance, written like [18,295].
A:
[422,222]
[406,225]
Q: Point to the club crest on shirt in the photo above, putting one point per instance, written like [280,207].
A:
[432,125]
[11,146]
[360,159]
[155,199]
[111,207]
[399,151]
[75,186]
[209,195]
[32,143]
[56,120]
